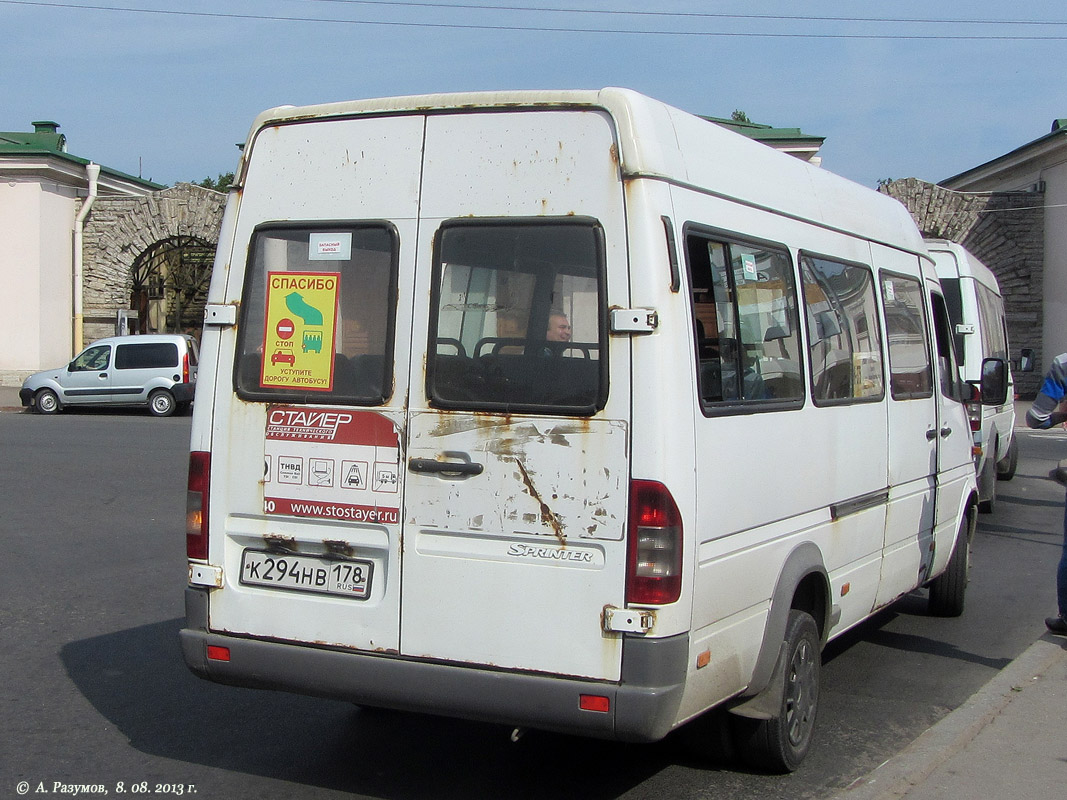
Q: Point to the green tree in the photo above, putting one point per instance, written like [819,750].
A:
[219,184]
[740,116]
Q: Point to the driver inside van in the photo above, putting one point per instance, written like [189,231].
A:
[559,328]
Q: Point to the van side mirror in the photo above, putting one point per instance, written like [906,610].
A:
[1026,360]
[994,383]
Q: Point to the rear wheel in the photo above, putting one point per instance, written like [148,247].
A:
[46,402]
[948,590]
[161,403]
[1006,466]
[780,743]
[987,484]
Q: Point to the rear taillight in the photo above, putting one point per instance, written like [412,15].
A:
[196,505]
[654,548]
[185,368]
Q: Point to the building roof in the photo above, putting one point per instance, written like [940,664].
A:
[1056,137]
[791,140]
[45,143]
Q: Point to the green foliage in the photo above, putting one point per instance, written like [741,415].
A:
[220,184]
[739,116]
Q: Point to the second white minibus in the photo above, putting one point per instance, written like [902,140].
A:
[976,310]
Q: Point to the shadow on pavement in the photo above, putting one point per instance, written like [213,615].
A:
[137,679]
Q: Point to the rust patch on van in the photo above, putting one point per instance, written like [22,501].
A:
[613,151]
[547,516]
[339,548]
[278,543]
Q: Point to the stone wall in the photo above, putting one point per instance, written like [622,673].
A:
[119,229]
[1005,231]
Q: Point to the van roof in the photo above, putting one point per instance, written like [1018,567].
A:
[141,338]
[662,142]
[954,260]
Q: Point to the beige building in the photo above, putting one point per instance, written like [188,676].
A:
[41,189]
[1039,168]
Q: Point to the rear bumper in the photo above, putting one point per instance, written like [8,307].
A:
[183,392]
[643,706]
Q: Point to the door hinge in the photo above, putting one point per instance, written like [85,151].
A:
[628,620]
[220,315]
[634,320]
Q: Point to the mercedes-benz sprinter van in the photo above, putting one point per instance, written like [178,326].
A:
[564,410]
[976,309]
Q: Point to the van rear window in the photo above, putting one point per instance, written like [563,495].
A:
[146,356]
[317,318]
[518,316]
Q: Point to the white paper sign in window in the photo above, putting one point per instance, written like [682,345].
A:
[330,247]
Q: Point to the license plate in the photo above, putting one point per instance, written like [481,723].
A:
[346,578]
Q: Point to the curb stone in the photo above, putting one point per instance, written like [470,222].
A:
[894,778]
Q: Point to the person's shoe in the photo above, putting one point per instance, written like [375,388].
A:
[1057,625]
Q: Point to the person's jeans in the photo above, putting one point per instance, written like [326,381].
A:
[1061,572]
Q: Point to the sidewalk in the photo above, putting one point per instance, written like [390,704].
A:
[9,399]
[1007,740]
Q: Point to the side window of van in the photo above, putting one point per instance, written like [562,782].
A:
[954,302]
[991,319]
[518,316]
[318,314]
[146,356]
[92,359]
[948,369]
[844,338]
[910,374]
[745,322]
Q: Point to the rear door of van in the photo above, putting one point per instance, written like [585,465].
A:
[407,463]
[517,472]
[309,406]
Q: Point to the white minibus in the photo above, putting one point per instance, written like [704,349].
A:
[567,411]
[976,310]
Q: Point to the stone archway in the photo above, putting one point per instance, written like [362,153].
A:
[129,247]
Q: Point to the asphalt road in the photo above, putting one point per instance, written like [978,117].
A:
[95,692]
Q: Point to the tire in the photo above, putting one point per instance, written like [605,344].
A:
[779,744]
[1006,466]
[989,482]
[46,402]
[948,590]
[161,403]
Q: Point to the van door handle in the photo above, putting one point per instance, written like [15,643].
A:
[945,431]
[931,434]
[463,467]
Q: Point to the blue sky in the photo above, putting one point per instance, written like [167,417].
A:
[167,96]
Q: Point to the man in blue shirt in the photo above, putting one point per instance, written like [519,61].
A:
[1045,414]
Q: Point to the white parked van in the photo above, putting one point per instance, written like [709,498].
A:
[976,309]
[564,410]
